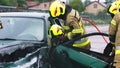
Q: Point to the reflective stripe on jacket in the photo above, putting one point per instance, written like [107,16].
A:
[81,43]
[117,50]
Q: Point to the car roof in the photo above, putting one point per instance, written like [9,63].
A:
[25,14]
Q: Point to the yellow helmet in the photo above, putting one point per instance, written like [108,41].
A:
[57,8]
[114,8]
[55,30]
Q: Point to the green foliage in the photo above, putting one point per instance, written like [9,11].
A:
[109,1]
[78,5]
[21,3]
[8,2]
[100,18]
[87,2]
[40,1]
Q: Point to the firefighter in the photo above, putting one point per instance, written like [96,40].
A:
[56,34]
[114,30]
[73,24]
[109,49]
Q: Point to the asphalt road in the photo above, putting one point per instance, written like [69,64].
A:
[97,42]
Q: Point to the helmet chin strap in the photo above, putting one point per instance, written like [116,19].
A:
[61,17]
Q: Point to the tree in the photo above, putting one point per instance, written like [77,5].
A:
[21,4]
[87,2]
[40,1]
[109,1]
[78,5]
[8,2]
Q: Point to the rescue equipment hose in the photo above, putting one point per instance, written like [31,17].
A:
[85,19]
[69,43]
[83,36]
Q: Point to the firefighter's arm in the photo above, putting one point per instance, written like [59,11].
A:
[77,30]
[113,29]
[112,34]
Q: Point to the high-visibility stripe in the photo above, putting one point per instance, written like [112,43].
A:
[113,22]
[81,28]
[66,27]
[82,44]
[117,52]
[75,31]
[69,36]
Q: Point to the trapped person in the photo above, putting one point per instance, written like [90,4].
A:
[73,24]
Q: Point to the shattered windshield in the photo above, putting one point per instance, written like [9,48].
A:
[24,28]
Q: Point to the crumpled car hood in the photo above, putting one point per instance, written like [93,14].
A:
[27,61]
[8,48]
[12,51]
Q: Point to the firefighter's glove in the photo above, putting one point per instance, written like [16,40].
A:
[112,38]
[109,49]
[110,46]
